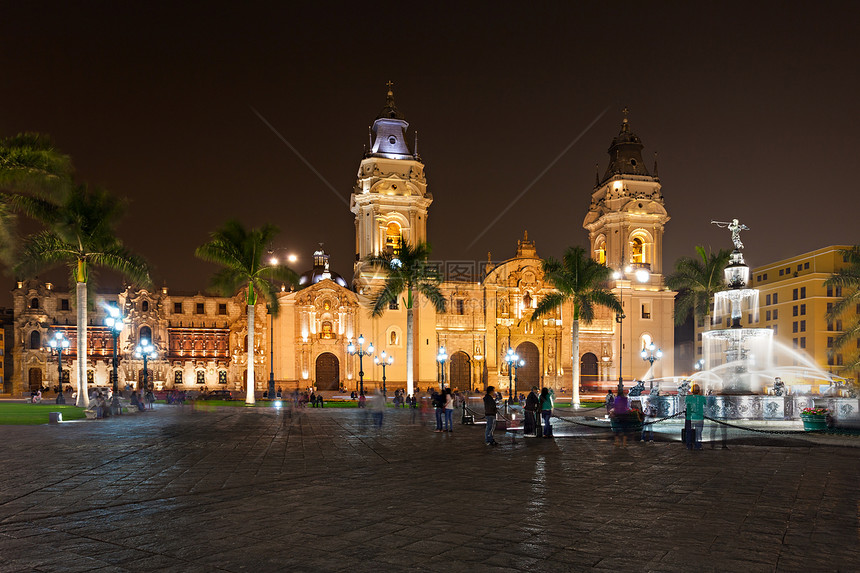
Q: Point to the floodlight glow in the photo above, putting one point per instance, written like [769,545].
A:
[292,258]
[642,275]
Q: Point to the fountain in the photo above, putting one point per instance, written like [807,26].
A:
[745,373]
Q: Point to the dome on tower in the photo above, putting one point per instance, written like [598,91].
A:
[320,271]
[625,153]
[388,134]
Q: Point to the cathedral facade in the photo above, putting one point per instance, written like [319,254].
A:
[201,340]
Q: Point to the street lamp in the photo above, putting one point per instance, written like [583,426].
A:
[642,275]
[271,348]
[114,324]
[651,354]
[145,350]
[361,354]
[514,362]
[58,344]
[441,358]
[385,360]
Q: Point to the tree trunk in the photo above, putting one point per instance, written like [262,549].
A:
[410,349]
[250,386]
[83,400]
[574,340]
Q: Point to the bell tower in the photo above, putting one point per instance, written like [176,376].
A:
[626,218]
[390,197]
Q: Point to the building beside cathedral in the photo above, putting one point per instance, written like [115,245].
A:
[202,339]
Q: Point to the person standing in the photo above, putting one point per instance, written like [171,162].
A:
[650,414]
[546,403]
[531,409]
[438,401]
[490,414]
[449,410]
[609,402]
[695,417]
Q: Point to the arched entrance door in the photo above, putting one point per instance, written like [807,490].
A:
[460,372]
[327,372]
[35,379]
[588,371]
[528,374]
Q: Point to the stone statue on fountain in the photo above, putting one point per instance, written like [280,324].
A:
[735,227]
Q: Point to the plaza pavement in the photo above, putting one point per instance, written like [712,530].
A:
[237,489]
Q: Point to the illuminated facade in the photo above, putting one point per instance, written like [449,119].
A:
[201,339]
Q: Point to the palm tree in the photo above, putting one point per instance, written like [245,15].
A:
[407,271]
[240,252]
[581,280]
[697,279]
[81,233]
[28,164]
[848,279]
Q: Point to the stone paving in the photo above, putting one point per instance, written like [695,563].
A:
[236,489]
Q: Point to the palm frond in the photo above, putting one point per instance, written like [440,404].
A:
[548,304]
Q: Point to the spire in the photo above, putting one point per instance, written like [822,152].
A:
[655,165]
[390,110]
[597,174]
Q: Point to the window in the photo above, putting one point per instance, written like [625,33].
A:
[767,300]
[775,298]
[201,377]
[794,310]
[34,303]
[830,327]
[799,267]
[145,333]
[767,315]
[794,342]
[805,265]
[838,291]
[646,309]
[839,360]
[839,325]
[794,326]
[65,377]
[222,308]
[829,342]
[700,337]
[803,342]
[765,276]
[392,305]
[393,238]
[775,329]
[64,304]
[781,272]
[775,313]
[200,308]
[460,306]
[222,377]
[794,294]
[802,326]
[803,310]
[829,307]
[830,360]
[788,270]
[35,340]
[91,376]
[802,292]
[177,377]
[326,333]
[637,251]
[144,306]
[829,291]
[177,308]
[758,278]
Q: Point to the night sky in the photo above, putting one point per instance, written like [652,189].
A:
[752,109]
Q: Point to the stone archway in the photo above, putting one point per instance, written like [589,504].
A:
[588,371]
[327,375]
[528,374]
[460,371]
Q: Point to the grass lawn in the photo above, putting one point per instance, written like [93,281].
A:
[13,413]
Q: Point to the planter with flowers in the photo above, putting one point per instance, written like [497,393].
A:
[814,418]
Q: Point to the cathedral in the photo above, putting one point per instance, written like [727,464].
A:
[202,343]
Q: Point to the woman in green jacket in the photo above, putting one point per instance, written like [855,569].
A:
[695,416]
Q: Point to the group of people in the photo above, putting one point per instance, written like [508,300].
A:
[538,409]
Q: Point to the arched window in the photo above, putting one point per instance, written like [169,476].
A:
[34,303]
[146,333]
[35,340]
[637,250]
[600,252]
[144,306]
[393,238]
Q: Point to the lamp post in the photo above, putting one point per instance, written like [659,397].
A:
[58,344]
[642,275]
[271,350]
[651,354]
[441,358]
[145,350]
[385,360]
[114,323]
[361,353]
[514,361]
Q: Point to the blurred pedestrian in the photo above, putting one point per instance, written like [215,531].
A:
[619,414]
[438,401]
[449,410]
[650,414]
[490,410]
[695,415]
[609,401]
[546,404]
[531,410]
[377,405]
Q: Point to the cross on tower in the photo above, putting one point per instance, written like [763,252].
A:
[389,84]
[625,111]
